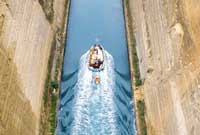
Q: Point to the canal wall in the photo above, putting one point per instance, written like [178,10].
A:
[168,48]
[27,30]
[137,88]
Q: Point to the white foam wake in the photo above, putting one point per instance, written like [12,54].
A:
[94,112]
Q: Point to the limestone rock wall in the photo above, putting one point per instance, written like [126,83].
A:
[26,37]
[168,45]
[16,116]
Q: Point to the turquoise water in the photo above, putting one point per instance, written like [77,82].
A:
[86,108]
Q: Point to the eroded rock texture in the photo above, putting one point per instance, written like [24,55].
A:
[16,116]
[26,37]
[168,43]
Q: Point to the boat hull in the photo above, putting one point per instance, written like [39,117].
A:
[96,58]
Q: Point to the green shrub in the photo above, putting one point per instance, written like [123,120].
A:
[141,111]
[138,82]
[54,84]
[135,61]
[53,110]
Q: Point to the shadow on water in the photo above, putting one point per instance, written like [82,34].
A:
[86,108]
[90,109]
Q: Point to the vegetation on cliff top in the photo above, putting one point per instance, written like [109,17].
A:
[141,112]
[137,76]
[50,97]
[140,104]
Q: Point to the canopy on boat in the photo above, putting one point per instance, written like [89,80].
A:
[96,58]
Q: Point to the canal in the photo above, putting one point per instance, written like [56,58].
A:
[86,108]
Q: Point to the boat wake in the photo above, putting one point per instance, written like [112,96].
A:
[88,108]
[93,109]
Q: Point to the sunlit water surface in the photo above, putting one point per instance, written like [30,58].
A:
[86,108]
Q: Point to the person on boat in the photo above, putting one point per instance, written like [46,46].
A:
[96,57]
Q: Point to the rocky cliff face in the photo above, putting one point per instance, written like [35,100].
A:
[168,45]
[15,111]
[26,37]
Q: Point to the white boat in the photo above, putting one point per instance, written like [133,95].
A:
[96,58]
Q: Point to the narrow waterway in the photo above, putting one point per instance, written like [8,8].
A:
[86,108]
